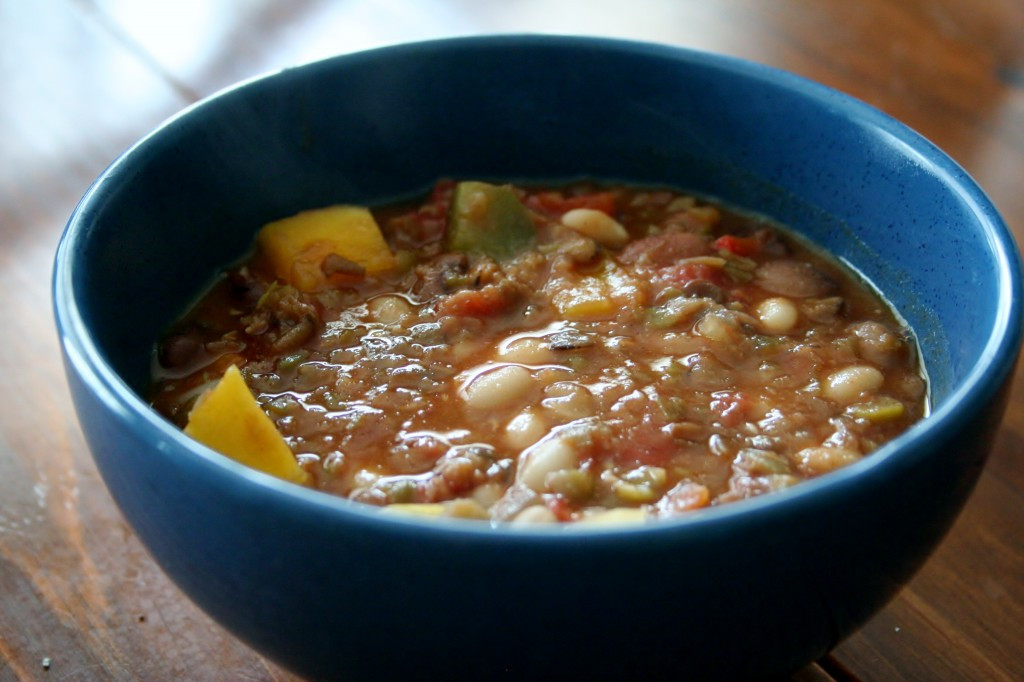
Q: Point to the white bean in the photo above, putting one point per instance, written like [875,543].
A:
[715,328]
[848,384]
[538,513]
[388,309]
[525,429]
[486,494]
[527,351]
[497,387]
[778,315]
[821,460]
[543,458]
[568,400]
[597,225]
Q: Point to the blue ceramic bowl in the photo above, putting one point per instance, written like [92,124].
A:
[330,588]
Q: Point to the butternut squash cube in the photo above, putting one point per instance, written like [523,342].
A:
[297,246]
[228,419]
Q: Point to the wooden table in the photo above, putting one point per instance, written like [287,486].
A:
[80,80]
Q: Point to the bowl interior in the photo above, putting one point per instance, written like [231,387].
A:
[382,125]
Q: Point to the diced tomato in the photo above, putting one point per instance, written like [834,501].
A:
[647,444]
[686,496]
[473,303]
[732,407]
[555,204]
[741,246]
[559,506]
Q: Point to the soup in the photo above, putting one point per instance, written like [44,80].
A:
[518,355]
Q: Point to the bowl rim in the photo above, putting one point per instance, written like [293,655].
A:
[987,374]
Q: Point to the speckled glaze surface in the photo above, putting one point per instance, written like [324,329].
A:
[333,589]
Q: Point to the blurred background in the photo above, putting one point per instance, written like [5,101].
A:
[81,80]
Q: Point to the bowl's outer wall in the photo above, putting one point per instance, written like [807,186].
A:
[330,590]
[362,599]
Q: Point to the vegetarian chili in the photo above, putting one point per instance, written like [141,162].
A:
[569,354]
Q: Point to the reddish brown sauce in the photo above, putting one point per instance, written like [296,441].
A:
[704,357]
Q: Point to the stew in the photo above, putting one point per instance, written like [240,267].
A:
[583,353]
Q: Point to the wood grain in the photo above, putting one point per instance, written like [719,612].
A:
[82,80]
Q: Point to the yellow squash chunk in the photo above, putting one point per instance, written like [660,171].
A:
[615,517]
[624,290]
[879,411]
[588,300]
[297,246]
[228,419]
[600,296]
[416,508]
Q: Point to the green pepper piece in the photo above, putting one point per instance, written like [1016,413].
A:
[489,219]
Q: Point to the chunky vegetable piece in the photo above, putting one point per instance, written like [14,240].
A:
[308,249]
[600,355]
[489,219]
[228,419]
